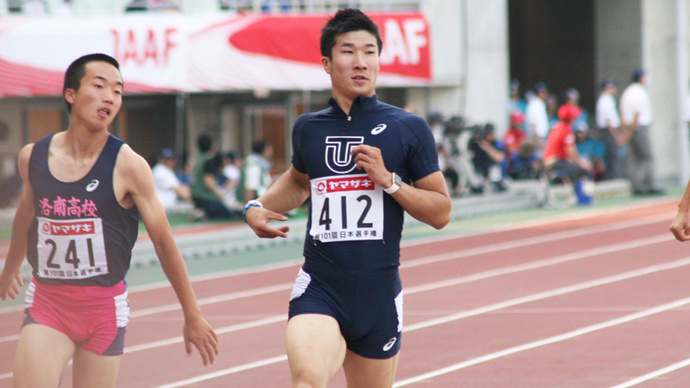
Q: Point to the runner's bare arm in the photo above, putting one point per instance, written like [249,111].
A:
[680,226]
[10,279]
[134,184]
[427,200]
[286,193]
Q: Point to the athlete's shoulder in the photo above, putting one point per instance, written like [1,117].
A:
[129,163]
[406,120]
[309,117]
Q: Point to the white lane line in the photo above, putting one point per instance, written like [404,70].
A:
[214,299]
[429,260]
[544,342]
[497,306]
[470,278]
[527,242]
[655,374]
[411,290]
[225,372]
[407,264]
[532,265]
[219,331]
[222,274]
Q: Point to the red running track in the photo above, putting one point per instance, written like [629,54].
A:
[601,299]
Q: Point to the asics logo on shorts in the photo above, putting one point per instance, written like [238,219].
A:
[389,344]
[92,185]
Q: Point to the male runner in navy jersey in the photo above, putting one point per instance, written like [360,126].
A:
[77,222]
[362,163]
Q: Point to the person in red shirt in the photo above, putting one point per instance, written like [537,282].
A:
[560,156]
[515,135]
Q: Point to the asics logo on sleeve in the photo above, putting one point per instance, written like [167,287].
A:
[92,185]
[378,129]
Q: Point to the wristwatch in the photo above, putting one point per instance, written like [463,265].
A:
[249,204]
[397,184]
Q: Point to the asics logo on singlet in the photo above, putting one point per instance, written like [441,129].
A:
[378,129]
[338,148]
[92,185]
[389,344]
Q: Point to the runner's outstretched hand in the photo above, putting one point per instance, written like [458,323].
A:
[10,284]
[199,333]
[680,227]
[258,219]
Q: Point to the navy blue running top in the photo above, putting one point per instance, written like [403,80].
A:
[352,223]
[80,234]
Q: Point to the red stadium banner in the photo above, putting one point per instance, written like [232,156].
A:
[196,53]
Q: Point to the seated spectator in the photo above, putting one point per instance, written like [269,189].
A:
[561,159]
[552,110]
[489,157]
[206,193]
[515,135]
[591,148]
[572,97]
[232,165]
[255,175]
[525,163]
[168,188]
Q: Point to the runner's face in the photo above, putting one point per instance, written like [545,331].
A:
[354,65]
[99,97]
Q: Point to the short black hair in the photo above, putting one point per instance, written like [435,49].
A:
[205,142]
[344,21]
[77,69]
[637,75]
[259,146]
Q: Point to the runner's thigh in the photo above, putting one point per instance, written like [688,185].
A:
[42,353]
[315,348]
[362,372]
[93,370]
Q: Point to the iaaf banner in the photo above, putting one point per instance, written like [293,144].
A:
[196,53]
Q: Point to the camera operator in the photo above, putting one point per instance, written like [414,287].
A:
[459,139]
[489,157]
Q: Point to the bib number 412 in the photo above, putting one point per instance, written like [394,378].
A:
[325,219]
[346,208]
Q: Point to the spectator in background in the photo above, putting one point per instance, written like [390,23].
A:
[10,189]
[552,110]
[489,157]
[256,172]
[591,148]
[168,187]
[608,122]
[184,173]
[525,163]
[435,121]
[232,166]
[515,134]
[572,97]
[561,159]
[516,102]
[206,193]
[536,116]
[636,119]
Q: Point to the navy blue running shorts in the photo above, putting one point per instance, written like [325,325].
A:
[366,304]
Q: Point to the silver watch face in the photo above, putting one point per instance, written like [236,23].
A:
[397,180]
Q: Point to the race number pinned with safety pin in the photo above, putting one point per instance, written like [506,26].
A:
[71,249]
[346,208]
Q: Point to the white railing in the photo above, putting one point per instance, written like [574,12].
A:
[100,7]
